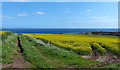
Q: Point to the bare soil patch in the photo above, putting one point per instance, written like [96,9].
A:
[105,60]
[18,62]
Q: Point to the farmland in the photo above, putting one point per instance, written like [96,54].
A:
[26,52]
[58,50]
[83,44]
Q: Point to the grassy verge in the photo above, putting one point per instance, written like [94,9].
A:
[9,46]
[50,56]
[113,66]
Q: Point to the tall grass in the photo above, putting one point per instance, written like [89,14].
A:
[9,47]
[50,56]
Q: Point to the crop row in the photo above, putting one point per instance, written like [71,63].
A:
[83,44]
[50,56]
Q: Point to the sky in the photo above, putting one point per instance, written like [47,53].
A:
[59,14]
[60,0]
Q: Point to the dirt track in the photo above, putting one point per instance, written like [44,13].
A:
[19,61]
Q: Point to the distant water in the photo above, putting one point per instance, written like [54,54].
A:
[70,31]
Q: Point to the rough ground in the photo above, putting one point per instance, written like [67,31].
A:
[105,60]
[19,61]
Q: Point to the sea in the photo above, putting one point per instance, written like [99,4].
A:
[61,30]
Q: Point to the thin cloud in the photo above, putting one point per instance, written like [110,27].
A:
[76,19]
[89,11]
[104,19]
[62,0]
[8,17]
[94,19]
[16,1]
[22,14]
[67,10]
[41,9]
[40,13]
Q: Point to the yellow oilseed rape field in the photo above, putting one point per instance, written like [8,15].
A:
[83,44]
[3,32]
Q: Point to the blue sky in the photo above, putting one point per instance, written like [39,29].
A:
[59,15]
[60,0]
